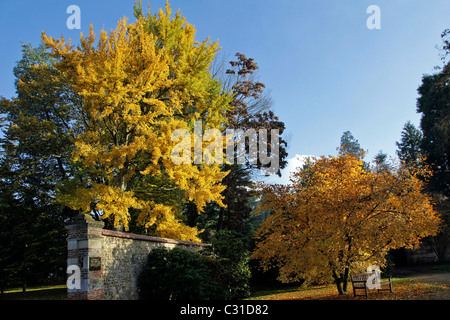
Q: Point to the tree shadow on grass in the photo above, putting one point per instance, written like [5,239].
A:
[41,294]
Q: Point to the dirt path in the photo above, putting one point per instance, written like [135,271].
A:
[427,275]
[424,274]
[438,278]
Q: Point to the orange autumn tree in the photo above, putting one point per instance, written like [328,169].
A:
[139,83]
[336,217]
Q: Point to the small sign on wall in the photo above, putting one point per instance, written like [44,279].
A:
[95,263]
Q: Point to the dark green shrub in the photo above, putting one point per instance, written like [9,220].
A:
[180,274]
[230,251]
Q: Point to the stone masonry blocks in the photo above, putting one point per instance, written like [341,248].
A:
[110,261]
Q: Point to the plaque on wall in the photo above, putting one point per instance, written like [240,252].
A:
[95,263]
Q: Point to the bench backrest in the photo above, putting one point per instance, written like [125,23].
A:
[360,277]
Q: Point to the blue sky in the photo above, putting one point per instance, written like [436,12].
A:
[327,72]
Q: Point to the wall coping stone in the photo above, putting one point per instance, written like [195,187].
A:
[120,234]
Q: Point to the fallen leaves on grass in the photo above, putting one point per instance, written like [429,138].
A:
[403,289]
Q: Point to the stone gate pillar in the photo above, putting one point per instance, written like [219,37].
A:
[84,245]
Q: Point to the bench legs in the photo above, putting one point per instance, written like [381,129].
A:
[367,291]
[360,288]
[387,283]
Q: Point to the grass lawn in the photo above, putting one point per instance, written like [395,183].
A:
[55,292]
[403,289]
[442,267]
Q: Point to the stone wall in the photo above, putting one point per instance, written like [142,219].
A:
[110,261]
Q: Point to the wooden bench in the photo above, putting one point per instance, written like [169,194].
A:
[359,282]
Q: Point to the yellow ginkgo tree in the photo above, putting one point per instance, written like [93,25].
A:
[139,83]
[339,216]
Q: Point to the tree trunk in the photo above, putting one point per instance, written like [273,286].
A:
[338,282]
[192,214]
[341,281]
[220,220]
[345,280]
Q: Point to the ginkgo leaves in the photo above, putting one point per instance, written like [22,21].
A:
[139,83]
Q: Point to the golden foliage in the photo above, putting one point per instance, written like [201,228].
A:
[336,213]
[139,83]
